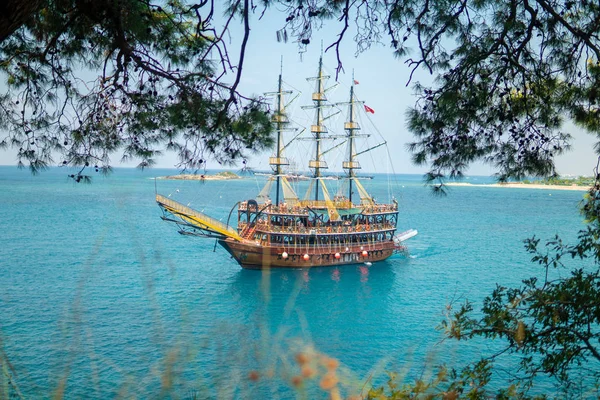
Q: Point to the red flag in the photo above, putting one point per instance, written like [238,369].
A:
[369,109]
[355,82]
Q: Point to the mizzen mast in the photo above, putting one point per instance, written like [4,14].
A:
[318,129]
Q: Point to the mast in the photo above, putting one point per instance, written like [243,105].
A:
[318,97]
[279,139]
[350,165]
[280,120]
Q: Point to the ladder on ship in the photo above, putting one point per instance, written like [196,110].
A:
[247,234]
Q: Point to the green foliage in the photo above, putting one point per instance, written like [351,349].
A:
[552,324]
[88,79]
[470,383]
[559,181]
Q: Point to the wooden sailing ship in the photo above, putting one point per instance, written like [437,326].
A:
[318,230]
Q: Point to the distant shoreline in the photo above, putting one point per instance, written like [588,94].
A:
[519,185]
[201,177]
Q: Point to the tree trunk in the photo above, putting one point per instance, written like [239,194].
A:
[14,13]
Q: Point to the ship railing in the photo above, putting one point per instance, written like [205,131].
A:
[354,229]
[301,207]
[261,226]
[340,204]
[320,249]
[379,208]
[284,208]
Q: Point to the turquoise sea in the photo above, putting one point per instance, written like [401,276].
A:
[100,298]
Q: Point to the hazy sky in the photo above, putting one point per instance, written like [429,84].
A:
[382,87]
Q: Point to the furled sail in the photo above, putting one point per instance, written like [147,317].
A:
[264,194]
[289,195]
[365,197]
[331,210]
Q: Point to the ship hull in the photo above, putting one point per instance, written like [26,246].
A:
[251,255]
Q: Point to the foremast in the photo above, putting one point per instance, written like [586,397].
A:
[281,122]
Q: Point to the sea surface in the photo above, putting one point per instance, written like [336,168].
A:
[100,298]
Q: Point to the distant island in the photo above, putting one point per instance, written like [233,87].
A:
[559,183]
[584,181]
[219,176]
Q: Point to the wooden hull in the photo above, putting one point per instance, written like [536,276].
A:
[251,255]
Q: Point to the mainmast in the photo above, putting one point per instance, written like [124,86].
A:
[350,165]
[281,120]
[318,128]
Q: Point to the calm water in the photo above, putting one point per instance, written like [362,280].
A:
[100,295]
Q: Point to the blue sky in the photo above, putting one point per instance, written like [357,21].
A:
[382,87]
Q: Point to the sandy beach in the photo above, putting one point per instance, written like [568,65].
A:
[519,185]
